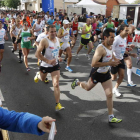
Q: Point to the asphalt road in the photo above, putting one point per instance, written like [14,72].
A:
[85,116]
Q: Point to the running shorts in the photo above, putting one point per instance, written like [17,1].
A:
[114,70]
[85,41]
[49,69]
[14,39]
[99,77]
[64,45]
[2,46]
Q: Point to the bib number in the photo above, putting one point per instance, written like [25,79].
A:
[55,53]
[26,39]
[1,37]
[87,35]
[122,52]
[75,31]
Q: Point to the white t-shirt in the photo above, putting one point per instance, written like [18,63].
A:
[41,36]
[119,47]
[2,34]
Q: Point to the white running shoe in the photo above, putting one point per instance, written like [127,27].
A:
[131,84]
[87,55]
[116,92]
[77,57]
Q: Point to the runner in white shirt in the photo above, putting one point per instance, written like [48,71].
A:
[3,37]
[119,48]
[64,34]
[50,62]
[101,62]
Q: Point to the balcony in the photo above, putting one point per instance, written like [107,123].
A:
[26,1]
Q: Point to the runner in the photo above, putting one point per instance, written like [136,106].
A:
[127,58]
[2,37]
[109,24]
[101,62]
[63,33]
[119,48]
[75,31]
[13,33]
[26,37]
[85,38]
[50,63]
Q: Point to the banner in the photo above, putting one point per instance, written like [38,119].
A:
[48,5]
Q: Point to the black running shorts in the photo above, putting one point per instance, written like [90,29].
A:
[85,41]
[14,39]
[49,69]
[114,70]
[99,77]
[2,46]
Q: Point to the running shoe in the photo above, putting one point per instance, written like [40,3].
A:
[46,81]
[116,92]
[36,79]
[115,120]
[20,61]
[77,57]
[59,107]
[131,84]
[86,47]
[88,57]
[65,61]
[137,62]
[74,83]
[69,69]
[28,69]
[13,50]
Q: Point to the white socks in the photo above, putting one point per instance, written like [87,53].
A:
[129,73]
[110,117]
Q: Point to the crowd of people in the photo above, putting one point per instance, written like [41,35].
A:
[56,35]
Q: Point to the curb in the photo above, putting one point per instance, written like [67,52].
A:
[5,134]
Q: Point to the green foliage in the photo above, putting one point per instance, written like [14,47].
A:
[136,2]
[2,4]
[12,3]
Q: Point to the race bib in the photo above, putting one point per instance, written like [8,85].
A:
[26,39]
[75,31]
[129,43]
[1,37]
[66,37]
[122,52]
[55,53]
[87,35]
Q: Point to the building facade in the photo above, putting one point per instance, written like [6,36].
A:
[36,5]
[109,4]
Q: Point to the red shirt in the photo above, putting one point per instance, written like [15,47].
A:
[75,27]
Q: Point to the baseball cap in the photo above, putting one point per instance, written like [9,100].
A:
[65,22]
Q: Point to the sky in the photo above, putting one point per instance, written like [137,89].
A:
[130,1]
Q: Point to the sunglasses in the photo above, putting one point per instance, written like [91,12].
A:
[26,24]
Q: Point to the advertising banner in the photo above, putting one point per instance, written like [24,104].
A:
[48,5]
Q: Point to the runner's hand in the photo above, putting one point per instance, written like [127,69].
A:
[60,59]
[45,124]
[133,55]
[29,38]
[132,46]
[52,62]
[114,63]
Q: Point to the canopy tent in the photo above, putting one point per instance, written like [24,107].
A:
[92,7]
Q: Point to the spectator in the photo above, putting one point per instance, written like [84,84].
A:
[51,21]
[24,122]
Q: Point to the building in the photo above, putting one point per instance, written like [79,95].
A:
[31,5]
[36,5]
[109,4]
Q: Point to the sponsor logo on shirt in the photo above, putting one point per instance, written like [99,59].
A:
[51,47]
[121,45]
[108,56]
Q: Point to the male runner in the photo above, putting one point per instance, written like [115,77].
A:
[14,33]
[2,37]
[50,62]
[85,38]
[64,34]
[109,24]
[119,48]
[101,62]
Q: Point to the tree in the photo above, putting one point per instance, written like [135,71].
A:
[136,2]
[2,4]
[12,3]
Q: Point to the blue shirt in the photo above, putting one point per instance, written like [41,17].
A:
[50,22]
[19,122]
[125,21]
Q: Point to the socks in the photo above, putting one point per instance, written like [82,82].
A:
[129,73]
[20,54]
[110,117]
[77,80]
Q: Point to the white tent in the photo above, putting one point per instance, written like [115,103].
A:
[92,7]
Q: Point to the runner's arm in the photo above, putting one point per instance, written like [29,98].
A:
[84,30]
[43,44]
[18,35]
[60,33]
[105,25]
[11,34]
[32,37]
